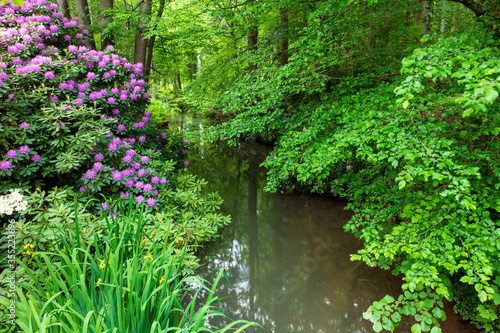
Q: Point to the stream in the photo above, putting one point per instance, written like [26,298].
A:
[287,256]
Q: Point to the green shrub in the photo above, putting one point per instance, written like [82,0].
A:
[161,110]
[67,110]
[418,159]
[187,217]
[470,307]
[115,284]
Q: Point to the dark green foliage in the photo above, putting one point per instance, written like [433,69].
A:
[468,304]
[389,104]
[417,156]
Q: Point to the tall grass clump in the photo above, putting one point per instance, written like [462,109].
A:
[116,284]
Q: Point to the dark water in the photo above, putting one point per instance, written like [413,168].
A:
[287,256]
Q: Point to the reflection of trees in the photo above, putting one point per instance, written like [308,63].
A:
[253,231]
[182,120]
[258,249]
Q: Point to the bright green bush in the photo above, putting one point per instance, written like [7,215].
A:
[115,284]
[188,217]
[418,158]
[163,108]
[192,212]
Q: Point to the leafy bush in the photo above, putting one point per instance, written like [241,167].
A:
[418,158]
[470,307]
[163,106]
[62,104]
[115,283]
[194,213]
[188,216]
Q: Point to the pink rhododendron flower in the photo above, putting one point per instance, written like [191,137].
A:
[24,150]
[12,154]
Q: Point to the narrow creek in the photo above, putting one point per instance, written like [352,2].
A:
[287,256]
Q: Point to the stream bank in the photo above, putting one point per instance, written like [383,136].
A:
[287,256]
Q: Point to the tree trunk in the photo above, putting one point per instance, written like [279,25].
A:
[174,85]
[418,15]
[140,47]
[64,8]
[284,38]
[426,20]
[193,70]
[179,80]
[253,35]
[105,20]
[141,43]
[149,58]
[443,16]
[454,10]
[82,7]
[252,38]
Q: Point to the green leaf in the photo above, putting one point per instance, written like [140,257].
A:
[465,279]
[496,298]
[377,327]
[467,112]
[389,299]
[406,104]
[416,328]
[437,313]
[491,71]
[428,303]
[425,38]
[482,296]
[396,317]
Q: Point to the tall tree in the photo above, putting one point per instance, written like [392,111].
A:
[149,56]
[141,42]
[443,17]
[82,7]
[284,37]
[105,20]
[426,19]
[64,8]
[253,35]
[453,14]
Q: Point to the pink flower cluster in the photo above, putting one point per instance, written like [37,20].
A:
[111,83]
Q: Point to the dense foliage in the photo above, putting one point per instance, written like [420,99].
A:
[421,172]
[84,109]
[78,142]
[392,105]
[107,284]
[403,127]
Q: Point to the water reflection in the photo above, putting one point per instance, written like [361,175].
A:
[287,256]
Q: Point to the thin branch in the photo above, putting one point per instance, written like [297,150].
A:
[137,6]
[154,69]
[383,75]
[330,77]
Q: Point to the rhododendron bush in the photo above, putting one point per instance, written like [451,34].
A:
[70,114]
